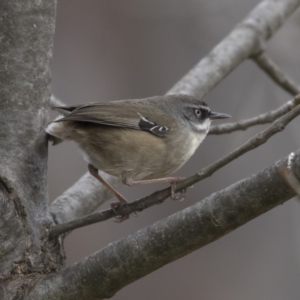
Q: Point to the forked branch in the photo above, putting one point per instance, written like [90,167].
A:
[276,73]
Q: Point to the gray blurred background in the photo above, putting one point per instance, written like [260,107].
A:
[106,50]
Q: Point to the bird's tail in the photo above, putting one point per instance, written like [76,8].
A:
[56,131]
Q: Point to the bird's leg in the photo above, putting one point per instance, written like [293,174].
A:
[172,180]
[94,172]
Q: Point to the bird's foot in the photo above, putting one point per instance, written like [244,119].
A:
[120,218]
[177,196]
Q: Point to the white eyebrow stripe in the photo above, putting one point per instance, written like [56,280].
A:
[201,107]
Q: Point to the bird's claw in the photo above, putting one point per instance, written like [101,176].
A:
[120,218]
[177,196]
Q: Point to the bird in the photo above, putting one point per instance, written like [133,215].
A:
[138,140]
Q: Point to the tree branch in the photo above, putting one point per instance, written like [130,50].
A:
[71,204]
[241,43]
[160,196]
[258,120]
[276,74]
[105,272]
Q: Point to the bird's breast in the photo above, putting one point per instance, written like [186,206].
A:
[181,149]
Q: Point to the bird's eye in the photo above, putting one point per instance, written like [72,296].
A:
[198,113]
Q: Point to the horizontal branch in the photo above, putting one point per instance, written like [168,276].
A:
[241,43]
[276,74]
[105,272]
[268,117]
[160,196]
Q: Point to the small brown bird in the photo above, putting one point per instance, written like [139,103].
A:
[140,140]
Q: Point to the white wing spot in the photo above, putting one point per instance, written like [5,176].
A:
[145,119]
[163,128]
[153,128]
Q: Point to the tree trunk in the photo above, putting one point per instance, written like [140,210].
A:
[27,29]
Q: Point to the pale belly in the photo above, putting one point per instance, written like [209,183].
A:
[148,159]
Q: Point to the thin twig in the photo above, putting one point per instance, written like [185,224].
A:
[265,118]
[275,73]
[160,196]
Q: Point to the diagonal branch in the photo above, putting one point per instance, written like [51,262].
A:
[268,117]
[160,196]
[102,274]
[244,40]
[71,204]
[276,74]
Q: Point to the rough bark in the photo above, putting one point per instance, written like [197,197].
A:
[26,36]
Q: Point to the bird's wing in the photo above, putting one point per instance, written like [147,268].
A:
[115,115]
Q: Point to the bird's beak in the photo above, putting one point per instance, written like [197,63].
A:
[215,115]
